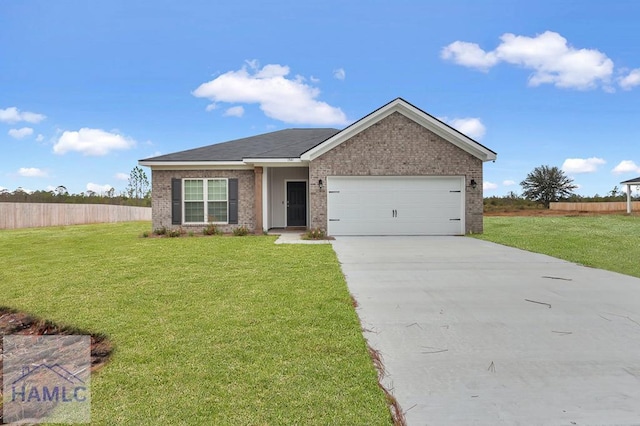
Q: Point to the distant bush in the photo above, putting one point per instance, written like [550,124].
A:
[509,203]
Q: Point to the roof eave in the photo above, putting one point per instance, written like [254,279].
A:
[246,163]
[635,181]
[189,165]
[276,162]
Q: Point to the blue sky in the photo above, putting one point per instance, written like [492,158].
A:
[89,88]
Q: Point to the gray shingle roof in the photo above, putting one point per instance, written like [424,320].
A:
[288,143]
[636,180]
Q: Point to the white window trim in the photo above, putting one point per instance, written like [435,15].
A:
[205,196]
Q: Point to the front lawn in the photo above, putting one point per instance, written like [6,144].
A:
[610,242]
[216,330]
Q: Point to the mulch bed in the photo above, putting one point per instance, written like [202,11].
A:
[15,322]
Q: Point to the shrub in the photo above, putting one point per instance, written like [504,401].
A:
[314,234]
[160,231]
[174,233]
[211,229]
[240,231]
[145,234]
[191,233]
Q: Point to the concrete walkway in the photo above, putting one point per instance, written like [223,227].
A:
[294,237]
[473,332]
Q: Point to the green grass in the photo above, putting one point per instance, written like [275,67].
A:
[218,330]
[610,242]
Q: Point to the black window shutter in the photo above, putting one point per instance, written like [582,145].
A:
[176,201]
[233,201]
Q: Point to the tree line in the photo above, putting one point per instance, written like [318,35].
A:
[544,185]
[137,193]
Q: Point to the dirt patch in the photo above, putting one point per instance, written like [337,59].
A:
[14,322]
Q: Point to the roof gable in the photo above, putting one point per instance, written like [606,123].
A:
[413,113]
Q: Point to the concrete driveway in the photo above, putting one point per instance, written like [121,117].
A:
[473,332]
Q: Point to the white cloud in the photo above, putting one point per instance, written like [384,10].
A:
[314,79]
[14,115]
[39,138]
[31,172]
[630,80]
[339,74]
[290,100]
[582,165]
[211,107]
[509,182]
[489,186]
[469,55]
[98,189]
[94,142]
[470,126]
[121,176]
[236,111]
[20,133]
[551,58]
[626,166]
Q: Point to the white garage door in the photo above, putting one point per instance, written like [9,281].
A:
[395,205]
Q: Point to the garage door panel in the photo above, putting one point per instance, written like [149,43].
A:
[385,205]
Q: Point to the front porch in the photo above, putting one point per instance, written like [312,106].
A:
[284,194]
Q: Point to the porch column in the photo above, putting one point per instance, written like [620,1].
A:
[628,198]
[257,171]
[265,198]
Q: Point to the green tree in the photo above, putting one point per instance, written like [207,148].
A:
[547,184]
[138,184]
[615,192]
[61,190]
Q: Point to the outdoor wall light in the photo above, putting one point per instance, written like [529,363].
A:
[473,183]
[320,184]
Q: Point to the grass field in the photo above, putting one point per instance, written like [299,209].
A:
[217,330]
[610,242]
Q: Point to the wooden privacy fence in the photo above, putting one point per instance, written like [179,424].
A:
[31,215]
[613,206]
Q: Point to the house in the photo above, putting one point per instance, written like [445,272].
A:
[628,184]
[396,171]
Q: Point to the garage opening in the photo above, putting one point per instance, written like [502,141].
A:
[395,205]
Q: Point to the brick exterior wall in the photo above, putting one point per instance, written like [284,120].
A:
[161,196]
[397,146]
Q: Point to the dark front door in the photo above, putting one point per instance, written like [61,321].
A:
[296,204]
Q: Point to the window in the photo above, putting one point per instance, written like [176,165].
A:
[206,200]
